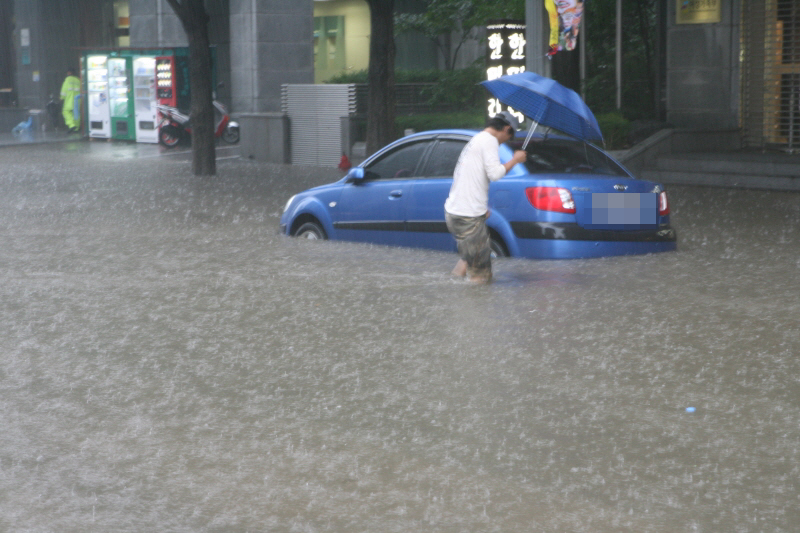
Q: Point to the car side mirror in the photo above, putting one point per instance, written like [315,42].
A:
[355,174]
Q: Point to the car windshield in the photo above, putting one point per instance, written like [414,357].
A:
[562,156]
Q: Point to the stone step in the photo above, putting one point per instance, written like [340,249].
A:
[742,169]
[745,164]
[723,179]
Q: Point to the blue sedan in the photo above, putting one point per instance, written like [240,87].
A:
[568,200]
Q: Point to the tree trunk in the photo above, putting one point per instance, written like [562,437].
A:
[643,14]
[193,17]
[381,99]
[566,69]
[447,51]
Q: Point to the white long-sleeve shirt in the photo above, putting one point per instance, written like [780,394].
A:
[477,166]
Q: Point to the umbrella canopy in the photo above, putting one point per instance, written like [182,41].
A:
[546,102]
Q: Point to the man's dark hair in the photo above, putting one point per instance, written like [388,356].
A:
[497,123]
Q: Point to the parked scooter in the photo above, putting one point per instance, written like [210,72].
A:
[175,126]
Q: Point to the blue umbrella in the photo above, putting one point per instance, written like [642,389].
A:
[546,102]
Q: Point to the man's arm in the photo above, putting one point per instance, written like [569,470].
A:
[493,167]
[519,157]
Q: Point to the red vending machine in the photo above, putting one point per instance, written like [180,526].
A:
[166,92]
[172,90]
[172,80]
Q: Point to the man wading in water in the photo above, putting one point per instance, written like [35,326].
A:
[467,207]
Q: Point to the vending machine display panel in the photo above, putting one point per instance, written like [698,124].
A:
[97,89]
[144,93]
[122,116]
[165,81]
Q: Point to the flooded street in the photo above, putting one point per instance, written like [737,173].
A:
[168,362]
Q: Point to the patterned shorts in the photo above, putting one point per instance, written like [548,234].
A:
[472,237]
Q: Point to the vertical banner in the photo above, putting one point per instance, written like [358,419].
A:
[505,55]
[565,23]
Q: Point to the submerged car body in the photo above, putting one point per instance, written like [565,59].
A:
[568,200]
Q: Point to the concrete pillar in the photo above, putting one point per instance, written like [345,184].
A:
[703,71]
[271,44]
[261,44]
[537,33]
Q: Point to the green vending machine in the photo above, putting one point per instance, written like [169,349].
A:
[120,98]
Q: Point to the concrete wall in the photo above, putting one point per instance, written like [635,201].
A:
[155,25]
[31,93]
[271,44]
[10,117]
[57,30]
[51,50]
[261,44]
[645,155]
[703,71]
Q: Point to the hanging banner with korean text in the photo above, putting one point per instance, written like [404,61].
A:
[505,55]
[565,22]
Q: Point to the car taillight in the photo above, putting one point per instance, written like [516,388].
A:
[551,199]
[663,204]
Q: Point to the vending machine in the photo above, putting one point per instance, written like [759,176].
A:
[144,94]
[97,90]
[165,81]
[120,98]
[172,80]
[124,85]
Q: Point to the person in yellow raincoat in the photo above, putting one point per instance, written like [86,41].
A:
[70,89]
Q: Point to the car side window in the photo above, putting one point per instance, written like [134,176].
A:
[397,164]
[442,161]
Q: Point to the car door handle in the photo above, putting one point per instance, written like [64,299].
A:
[395,194]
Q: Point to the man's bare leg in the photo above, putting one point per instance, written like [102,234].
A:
[460,269]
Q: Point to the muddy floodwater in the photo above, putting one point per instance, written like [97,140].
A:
[168,362]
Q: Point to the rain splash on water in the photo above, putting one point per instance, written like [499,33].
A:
[171,363]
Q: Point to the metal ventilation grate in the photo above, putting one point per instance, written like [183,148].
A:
[771,73]
[315,113]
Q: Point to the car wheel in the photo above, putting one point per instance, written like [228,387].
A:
[498,248]
[311,231]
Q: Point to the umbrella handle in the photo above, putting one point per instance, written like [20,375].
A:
[530,134]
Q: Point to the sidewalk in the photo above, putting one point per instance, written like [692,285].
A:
[8,139]
[124,149]
[749,169]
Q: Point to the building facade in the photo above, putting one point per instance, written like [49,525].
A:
[730,64]
[769,101]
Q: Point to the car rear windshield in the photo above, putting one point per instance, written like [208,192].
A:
[563,156]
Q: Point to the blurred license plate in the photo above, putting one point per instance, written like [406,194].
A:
[620,210]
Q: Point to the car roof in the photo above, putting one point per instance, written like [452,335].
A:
[434,133]
[540,135]
[463,132]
